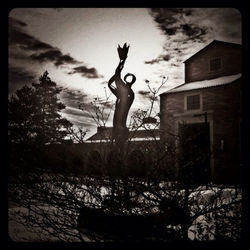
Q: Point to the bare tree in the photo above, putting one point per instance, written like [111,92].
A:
[165,202]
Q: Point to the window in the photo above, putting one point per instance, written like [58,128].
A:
[193,102]
[215,64]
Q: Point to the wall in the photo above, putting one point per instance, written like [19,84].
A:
[225,101]
[222,104]
[197,68]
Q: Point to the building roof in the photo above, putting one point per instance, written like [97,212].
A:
[204,84]
[144,134]
[212,43]
[105,134]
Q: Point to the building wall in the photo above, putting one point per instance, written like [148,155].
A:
[222,105]
[226,119]
[197,68]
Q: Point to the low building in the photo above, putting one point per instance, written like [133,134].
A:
[138,151]
[139,139]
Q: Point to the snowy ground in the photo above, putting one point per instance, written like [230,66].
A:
[19,232]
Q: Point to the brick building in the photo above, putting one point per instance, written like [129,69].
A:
[209,101]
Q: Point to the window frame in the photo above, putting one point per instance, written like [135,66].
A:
[186,98]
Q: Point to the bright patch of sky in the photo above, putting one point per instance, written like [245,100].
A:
[79,48]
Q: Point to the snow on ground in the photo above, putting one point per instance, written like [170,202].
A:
[19,232]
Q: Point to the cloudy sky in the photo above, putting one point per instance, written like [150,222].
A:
[77,46]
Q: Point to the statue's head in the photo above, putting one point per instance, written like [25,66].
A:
[133,79]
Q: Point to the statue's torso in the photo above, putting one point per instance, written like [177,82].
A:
[125,98]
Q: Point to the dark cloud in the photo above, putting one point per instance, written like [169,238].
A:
[157,60]
[41,51]
[174,65]
[17,55]
[82,118]
[193,31]
[182,31]
[36,45]
[15,22]
[178,20]
[187,28]
[143,92]
[44,52]
[170,31]
[18,37]
[54,55]
[169,16]
[161,58]
[72,98]
[166,57]
[18,77]
[85,72]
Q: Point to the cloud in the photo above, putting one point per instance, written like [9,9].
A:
[18,77]
[44,52]
[144,96]
[82,118]
[75,112]
[72,98]
[187,29]
[160,58]
[85,72]
[143,92]
[174,65]
[157,60]
[15,22]
[18,37]
[193,32]
[77,117]
[168,16]
[54,55]
[179,25]
[170,31]
[20,42]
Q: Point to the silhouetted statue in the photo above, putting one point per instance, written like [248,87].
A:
[125,98]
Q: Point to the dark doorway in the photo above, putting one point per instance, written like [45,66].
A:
[194,153]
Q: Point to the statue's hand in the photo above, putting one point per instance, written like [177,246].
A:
[123,52]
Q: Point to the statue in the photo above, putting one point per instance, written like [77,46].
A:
[125,98]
